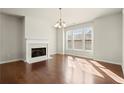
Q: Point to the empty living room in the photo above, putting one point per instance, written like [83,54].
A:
[61,46]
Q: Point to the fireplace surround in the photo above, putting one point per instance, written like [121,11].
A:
[36,50]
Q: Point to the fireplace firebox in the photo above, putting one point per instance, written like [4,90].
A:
[37,52]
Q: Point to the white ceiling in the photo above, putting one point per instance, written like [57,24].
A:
[70,15]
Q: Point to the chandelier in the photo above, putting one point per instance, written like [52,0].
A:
[60,23]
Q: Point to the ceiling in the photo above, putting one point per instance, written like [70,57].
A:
[70,15]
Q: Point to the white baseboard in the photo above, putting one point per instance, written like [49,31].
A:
[107,61]
[89,57]
[50,57]
[60,53]
[9,61]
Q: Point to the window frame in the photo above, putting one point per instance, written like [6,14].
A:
[83,40]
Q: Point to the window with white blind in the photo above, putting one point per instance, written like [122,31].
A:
[79,38]
[69,39]
[88,38]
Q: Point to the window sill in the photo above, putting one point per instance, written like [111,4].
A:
[90,51]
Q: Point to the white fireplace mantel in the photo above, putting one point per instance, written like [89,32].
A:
[36,40]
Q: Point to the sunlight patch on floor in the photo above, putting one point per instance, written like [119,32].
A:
[89,69]
[113,75]
[80,71]
[109,72]
[70,62]
[97,64]
[73,75]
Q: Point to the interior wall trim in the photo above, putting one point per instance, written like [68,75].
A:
[10,61]
[107,61]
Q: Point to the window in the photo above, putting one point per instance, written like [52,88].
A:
[80,38]
[69,39]
[88,38]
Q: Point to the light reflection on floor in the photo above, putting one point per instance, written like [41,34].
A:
[87,67]
[80,70]
[109,72]
[73,74]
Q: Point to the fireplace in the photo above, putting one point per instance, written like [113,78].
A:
[37,52]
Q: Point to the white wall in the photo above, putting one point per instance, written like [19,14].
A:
[41,28]
[123,41]
[108,38]
[23,38]
[60,39]
[0,36]
[11,38]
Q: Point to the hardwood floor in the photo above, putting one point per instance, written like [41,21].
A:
[61,69]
